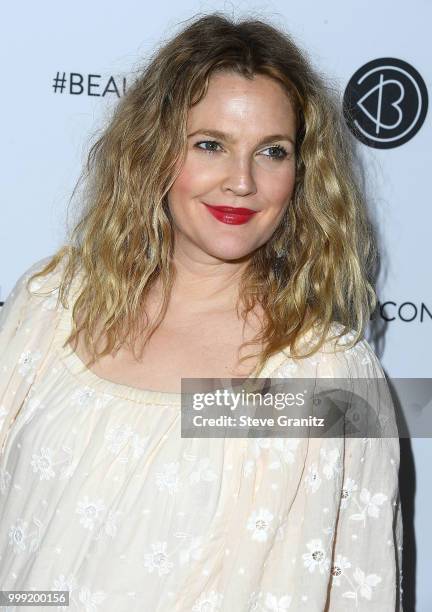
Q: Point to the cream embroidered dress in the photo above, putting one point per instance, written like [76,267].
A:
[100,495]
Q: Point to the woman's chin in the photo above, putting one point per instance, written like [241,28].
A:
[230,254]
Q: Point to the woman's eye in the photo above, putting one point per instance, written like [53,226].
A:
[213,144]
[278,152]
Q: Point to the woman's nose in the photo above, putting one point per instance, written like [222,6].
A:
[239,177]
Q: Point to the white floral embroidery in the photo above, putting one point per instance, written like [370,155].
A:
[208,602]
[203,472]
[288,370]
[86,396]
[359,350]
[109,526]
[90,511]
[192,552]
[43,463]
[63,583]
[253,602]
[371,505]
[158,559]
[83,397]
[332,464]
[259,524]
[117,436]
[18,535]
[316,557]
[91,600]
[28,361]
[168,479]
[348,488]
[287,447]
[365,584]
[276,604]
[338,569]
[372,502]
[68,470]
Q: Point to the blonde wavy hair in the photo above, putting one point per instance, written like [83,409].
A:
[123,241]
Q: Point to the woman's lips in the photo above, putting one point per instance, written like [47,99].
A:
[229,215]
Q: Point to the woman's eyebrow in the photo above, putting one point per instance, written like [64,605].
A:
[230,138]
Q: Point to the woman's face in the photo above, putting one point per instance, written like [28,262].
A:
[240,154]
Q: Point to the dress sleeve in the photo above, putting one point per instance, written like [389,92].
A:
[11,311]
[366,565]
[26,321]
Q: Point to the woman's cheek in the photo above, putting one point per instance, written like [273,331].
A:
[194,176]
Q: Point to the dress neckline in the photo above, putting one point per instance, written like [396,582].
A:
[78,368]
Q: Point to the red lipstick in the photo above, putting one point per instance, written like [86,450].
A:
[231,215]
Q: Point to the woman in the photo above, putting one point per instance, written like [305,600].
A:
[222,212]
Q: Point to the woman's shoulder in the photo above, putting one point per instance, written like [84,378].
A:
[338,357]
[346,356]
[45,283]
[30,297]
[49,282]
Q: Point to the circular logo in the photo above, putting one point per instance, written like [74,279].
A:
[385,103]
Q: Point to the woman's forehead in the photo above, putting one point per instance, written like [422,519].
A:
[232,101]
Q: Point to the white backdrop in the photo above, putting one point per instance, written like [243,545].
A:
[46,135]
